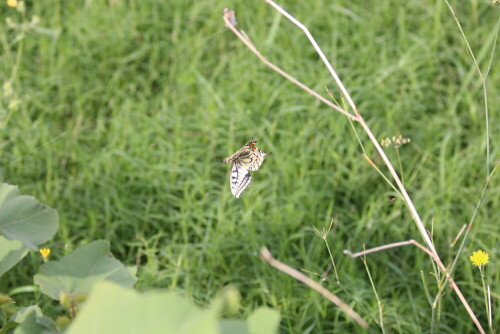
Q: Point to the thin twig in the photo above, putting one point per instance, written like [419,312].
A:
[420,225]
[252,48]
[318,50]
[471,222]
[459,234]
[439,263]
[367,158]
[377,249]
[490,323]
[267,257]
[406,197]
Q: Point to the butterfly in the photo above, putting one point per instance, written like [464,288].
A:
[248,158]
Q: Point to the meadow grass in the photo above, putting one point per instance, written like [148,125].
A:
[125,112]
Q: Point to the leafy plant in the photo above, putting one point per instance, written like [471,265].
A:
[25,224]
[90,279]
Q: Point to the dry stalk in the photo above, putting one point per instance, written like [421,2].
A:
[361,121]
[268,257]
[229,19]
[437,260]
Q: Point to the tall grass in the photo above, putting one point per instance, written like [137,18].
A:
[127,109]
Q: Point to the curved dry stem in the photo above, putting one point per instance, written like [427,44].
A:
[318,50]
[406,197]
[438,262]
[229,19]
[268,257]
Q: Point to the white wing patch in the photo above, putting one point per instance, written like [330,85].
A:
[239,179]
[257,159]
[248,158]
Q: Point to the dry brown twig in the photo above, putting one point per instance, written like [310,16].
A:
[421,247]
[230,20]
[268,257]
[418,245]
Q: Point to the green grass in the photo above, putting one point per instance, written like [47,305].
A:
[126,111]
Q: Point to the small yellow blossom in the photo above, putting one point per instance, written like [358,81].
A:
[12,3]
[479,258]
[45,252]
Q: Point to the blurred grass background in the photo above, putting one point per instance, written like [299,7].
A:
[120,114]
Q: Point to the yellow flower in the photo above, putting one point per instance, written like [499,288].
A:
[12,3]
[479,258]
[45,252]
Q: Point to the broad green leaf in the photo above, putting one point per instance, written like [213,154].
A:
[233,327]
[24,218]
[264,320]
[77,272]
[8,326]
[113,309]
[23,313]
[32,321]
[11,252]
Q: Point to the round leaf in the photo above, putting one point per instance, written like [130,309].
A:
[24,218]
[11,252]
[113,309]
[78,271]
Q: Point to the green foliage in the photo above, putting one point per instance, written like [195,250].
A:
[118,114]
[32,321]
[11,252]
[25,223]
[263,320]
[113,306]
[77,272]
[24,218]
[113,309]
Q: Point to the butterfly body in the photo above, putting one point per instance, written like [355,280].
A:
[248,158]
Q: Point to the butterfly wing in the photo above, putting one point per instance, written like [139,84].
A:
[257,158]
[244,159]
[242,153]
[250,159]
[247,158]
[239,179]
[231,158]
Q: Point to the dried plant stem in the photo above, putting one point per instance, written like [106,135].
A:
[275,68]
[318,50]
[459,234]
[436,259]
[361,121]
[402,189]
[357,118]
[229,20]
[469,226]
[378,249]
[490,321]
[267,257]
